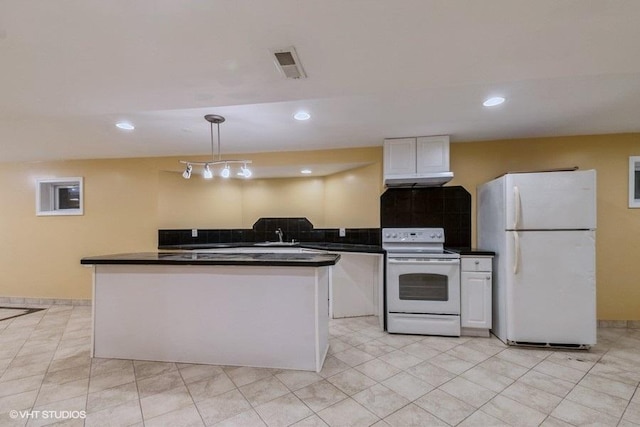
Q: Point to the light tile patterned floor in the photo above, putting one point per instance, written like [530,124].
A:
[369,378]
[6,313]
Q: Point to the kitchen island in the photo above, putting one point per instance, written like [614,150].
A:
[240,309]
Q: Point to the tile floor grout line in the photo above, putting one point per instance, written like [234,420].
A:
[50,360]
[636,391]
[188,391]
[575,385]
[86,403]
[630,399]
[12,320]
[435,388]
[135,379]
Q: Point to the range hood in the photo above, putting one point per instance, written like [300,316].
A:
[432,179]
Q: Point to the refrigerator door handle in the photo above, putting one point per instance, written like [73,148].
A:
[516,255]
[517,202]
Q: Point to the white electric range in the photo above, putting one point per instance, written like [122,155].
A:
[423,282]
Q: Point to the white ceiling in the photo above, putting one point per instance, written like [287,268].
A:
[376,68]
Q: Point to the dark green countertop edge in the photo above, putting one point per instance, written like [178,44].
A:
[334,247]
[237,259]
[472,251]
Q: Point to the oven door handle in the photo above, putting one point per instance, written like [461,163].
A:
[437,262]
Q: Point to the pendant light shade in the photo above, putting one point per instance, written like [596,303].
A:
[208,167]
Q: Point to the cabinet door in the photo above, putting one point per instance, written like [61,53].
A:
[399,156]
[475,300]
[432,154]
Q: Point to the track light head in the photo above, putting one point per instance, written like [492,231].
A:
[245,171]
[207,174]
[187,172]
[225,173]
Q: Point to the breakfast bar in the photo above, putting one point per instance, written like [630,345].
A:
[239,309]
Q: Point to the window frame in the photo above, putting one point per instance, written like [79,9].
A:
[48,196]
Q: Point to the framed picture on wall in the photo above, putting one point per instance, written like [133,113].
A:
[634,182]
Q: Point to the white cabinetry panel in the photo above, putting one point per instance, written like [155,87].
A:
[475,295]
[274,317]
[400,156]
[476,300]
[476,264]
[432,154]
[354,285]
[414,157]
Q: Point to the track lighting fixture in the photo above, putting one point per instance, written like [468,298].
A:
[208,166]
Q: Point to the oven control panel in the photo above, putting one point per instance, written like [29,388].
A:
[413,235]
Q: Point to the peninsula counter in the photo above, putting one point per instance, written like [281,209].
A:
[240,309]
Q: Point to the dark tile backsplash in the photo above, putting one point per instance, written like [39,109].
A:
[264,230]
[447,207]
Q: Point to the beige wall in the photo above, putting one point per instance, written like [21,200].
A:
[40,256]
[346,199]
[126,201]
[348,202]
[197,203]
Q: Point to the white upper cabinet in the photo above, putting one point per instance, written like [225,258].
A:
[432,154]
[400,156]
[416,156]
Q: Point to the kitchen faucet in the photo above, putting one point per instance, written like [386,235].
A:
[279,233]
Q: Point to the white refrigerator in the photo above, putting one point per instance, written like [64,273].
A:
[542,228]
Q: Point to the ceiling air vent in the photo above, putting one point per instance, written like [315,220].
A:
[288,63]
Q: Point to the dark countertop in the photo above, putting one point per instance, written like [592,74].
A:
[334,247]
[212,258]
[472,252]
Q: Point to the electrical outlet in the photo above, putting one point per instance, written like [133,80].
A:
[343,232]
[194,232]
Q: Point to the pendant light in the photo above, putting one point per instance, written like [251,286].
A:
[208,167]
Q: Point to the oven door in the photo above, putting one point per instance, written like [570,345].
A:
[423,285]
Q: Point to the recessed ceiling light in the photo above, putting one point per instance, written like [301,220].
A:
[302,115]
[306,171]
[493,101]
[125,126]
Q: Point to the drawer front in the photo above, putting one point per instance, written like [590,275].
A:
[475,264]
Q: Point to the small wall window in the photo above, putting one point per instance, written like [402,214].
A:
[634,182]
[59,196]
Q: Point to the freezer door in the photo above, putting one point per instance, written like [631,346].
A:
[551,200]
[550,287]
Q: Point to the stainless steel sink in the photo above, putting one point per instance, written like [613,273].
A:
[276,244]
